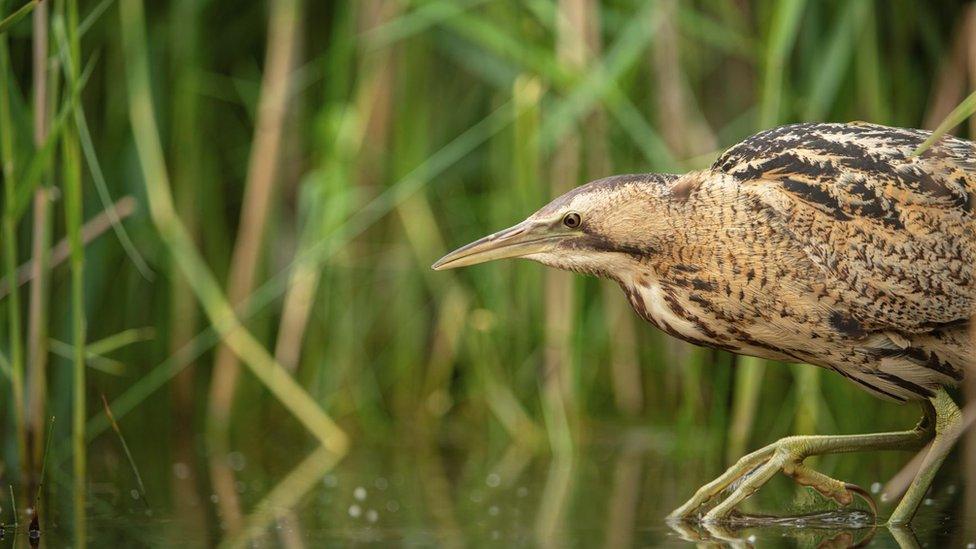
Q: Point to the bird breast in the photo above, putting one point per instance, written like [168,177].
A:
[678,313]
[662,308]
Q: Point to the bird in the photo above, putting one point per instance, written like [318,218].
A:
[829,244]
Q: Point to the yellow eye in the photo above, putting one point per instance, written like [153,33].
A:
[572,220]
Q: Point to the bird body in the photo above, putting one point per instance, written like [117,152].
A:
[828,244]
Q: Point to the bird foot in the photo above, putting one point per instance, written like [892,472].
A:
[841,492]
[751,472]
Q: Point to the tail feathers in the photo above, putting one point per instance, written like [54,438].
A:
[915,366]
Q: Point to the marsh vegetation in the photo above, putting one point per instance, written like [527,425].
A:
[218,318]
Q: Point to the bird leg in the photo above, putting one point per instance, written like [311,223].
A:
[948,422]
[787,455]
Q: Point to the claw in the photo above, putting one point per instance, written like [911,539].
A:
[865,495]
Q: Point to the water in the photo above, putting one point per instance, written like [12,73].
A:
[614,492]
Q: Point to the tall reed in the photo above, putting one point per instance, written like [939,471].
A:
[411,127]
[262,176]
[174,235]
[10,219]
[74,217]
[41,242]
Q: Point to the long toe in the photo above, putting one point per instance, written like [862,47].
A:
[831,488]
[713,489]
[749,486]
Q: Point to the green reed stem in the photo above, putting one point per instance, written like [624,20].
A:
[10,251]
[748,382]
[959,114]
[47,448]
[17,15]
[782,35]
[74,218]
[177,240]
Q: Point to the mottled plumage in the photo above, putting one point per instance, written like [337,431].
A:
[829,244]
[821,243]
[891,235]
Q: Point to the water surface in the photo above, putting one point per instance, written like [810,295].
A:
[613,491]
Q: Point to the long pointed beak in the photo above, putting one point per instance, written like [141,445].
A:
[526,238]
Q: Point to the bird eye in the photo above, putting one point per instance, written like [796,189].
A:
[572,220]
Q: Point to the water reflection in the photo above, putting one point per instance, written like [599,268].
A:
[278,503]
[798,531]
[828,529]
[624,497]
[449,491]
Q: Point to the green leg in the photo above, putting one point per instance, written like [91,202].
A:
[948,421]
[904,536]
[787,455]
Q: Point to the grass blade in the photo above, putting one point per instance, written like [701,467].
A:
[17,15]
[958,115]
[58,254]
[10,217]
[174,235]
[125,448]
[74,217]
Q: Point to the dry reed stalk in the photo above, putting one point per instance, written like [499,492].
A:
[948,90]
[683,127]
[557,382]
[625,373]
[41,241]
[686,135]
[302,286]
[289,526]
[284,24]
[949,85]
[334,442]
[374,100]
[94,228]
[261,178]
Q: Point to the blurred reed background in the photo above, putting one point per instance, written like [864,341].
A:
[220,216]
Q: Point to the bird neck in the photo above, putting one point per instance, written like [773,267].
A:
[702,224]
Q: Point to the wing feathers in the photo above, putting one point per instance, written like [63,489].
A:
[892,233]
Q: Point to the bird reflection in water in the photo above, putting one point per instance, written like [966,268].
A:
[825,530]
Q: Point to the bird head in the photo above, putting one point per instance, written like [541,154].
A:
[599,228]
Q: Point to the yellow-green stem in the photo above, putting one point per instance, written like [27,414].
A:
[178,242]
[74,217]
[10,250]
[37,336]
[748,380]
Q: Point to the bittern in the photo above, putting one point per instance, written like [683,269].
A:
[825,244]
